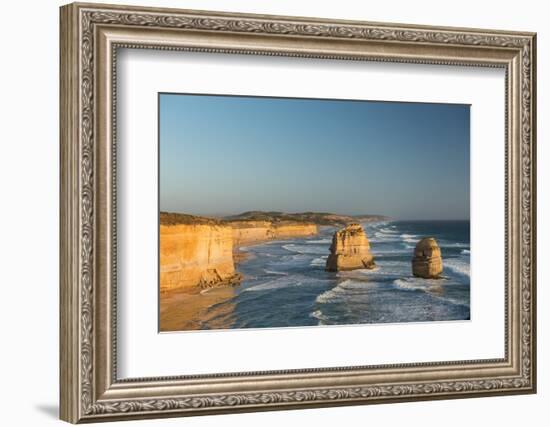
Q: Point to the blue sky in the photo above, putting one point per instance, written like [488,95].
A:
[230,154]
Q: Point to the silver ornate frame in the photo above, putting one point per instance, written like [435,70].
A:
[90,36]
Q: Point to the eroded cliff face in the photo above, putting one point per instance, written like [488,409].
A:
[283,230]
[201,254]
[196,255]
[248,232]
[427,262]
[350,250]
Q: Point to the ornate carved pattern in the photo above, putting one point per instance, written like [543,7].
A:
[302,29]
[86,211]
[247,25]
[363,393]
[526,197]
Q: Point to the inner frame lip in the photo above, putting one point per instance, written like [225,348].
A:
[467,364]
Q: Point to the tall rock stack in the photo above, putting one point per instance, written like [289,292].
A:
[350,250]
[427,262]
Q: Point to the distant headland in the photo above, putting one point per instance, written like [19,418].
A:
[318,218]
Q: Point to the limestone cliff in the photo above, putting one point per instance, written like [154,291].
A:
[290,229]
[248,232]
[427,262]
[350,250]
[198,251]
[196,254]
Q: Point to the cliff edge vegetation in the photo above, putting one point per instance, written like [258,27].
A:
[318,218]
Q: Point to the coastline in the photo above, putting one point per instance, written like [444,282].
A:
[204,252]
[240,256]
[288,273]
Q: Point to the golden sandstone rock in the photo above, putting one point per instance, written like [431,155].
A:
[350,250]
[427,262]
[196,255]
[198,252]
[248,232]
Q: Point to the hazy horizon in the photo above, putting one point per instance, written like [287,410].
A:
[225,155]
[228,214]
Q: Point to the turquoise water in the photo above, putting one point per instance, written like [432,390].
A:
[285,283]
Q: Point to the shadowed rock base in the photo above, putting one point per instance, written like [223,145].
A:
[350,250]
[212,278]
[427,262]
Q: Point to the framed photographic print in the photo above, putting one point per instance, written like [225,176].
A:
[265,212]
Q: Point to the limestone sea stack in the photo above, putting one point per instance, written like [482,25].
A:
[350,250]
[427,262]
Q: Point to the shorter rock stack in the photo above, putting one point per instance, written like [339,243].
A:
[427,262]
[350,250]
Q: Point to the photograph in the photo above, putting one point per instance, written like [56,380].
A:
[298,212]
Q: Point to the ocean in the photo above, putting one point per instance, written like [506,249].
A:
[285,282]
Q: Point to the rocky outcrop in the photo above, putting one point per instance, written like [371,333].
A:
[196,255]
[350,250]
[198,252]
[427,262]
[248,232]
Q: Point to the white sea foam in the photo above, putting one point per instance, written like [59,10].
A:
[275,284]
[386,237]
[410,238]
[318,242]
[319,261]
[465,251]
[382,238]
[411,284]
[457,266]
[340,291]
[383,270]
[330,295]
[318,314]
[430,286]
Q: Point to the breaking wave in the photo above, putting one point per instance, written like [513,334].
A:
[319,261]
[275,284]
[410,238]
[457,266]
[339,291]
[318,242]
